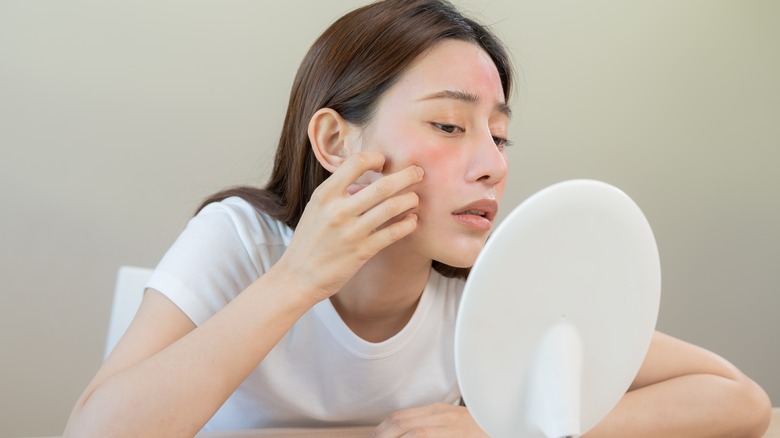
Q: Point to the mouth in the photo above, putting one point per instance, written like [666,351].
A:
[484,208]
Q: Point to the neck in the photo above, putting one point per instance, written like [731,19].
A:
[381,297]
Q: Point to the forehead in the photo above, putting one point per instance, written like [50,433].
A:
[452,65]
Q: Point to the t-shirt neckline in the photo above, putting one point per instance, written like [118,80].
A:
[376,350]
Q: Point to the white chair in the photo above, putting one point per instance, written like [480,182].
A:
[129,291]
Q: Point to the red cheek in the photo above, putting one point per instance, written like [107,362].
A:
[432,159]
[441,172]
[435,157]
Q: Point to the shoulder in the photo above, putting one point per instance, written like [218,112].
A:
[221,251]
[224,236]
[252,226]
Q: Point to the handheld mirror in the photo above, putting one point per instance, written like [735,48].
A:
[558,312]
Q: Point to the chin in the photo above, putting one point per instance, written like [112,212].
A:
[456,250]
[463,258]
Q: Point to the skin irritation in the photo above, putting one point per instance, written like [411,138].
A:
[445,115]
[448,115]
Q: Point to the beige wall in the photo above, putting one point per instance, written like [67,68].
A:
[116,119]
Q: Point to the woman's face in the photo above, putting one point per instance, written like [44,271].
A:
[448,115]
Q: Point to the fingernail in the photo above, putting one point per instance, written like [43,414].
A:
[419,170]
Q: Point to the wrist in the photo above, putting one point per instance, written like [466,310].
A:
[292,286]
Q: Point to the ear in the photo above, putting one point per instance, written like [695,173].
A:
[328,135]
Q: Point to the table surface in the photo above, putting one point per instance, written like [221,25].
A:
[363,432]
[340,432]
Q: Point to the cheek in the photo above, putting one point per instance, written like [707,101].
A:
[397,143]
[439,166]
[441,175]
[408,150]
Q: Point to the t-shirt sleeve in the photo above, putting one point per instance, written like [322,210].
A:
[211,262]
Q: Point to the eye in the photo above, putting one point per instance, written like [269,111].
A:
[501,142]
[449,129]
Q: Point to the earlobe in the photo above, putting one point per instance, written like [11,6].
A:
[328,137]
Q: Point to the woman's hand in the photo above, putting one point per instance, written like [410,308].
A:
[436,420]
[344,224]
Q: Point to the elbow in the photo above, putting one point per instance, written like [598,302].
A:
[755,409]
[74,428]
[83,421]
[77,425]
[72,431]
[80,426]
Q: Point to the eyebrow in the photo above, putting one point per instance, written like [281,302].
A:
[467,97]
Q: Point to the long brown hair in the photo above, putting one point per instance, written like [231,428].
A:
[348,69]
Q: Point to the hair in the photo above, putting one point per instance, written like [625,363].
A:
[348,68]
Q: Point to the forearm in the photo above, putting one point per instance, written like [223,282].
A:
[175,391]
[690,406]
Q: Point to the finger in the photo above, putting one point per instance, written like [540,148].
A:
[354,167]
[354,188]
[392,233]
[402,422]
[386,187]
[388,209]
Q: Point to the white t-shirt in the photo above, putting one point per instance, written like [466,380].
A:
[320,373]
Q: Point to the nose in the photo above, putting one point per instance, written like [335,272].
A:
[488,162]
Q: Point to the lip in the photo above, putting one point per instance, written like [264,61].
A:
[487,206]
[477,222]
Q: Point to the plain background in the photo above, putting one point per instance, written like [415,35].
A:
[117,118]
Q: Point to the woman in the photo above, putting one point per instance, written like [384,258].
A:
[389,170]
